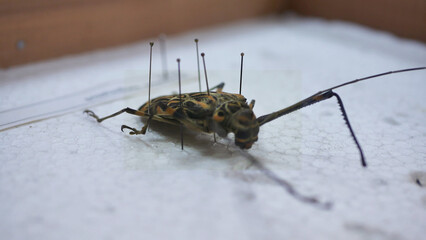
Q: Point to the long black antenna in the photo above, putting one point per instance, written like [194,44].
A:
[241,72]
[180,101]
[326,94]
[373,76]
[198,64]
[345,117]
[205,73]
[163,51]
[149,87]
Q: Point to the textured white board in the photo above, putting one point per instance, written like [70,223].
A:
[69,177]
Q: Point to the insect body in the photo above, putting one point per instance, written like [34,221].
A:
[218,112]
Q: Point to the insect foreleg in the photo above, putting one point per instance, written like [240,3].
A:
[321,96]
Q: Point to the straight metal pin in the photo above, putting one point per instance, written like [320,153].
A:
[241,72]
[198,64]
[180,101]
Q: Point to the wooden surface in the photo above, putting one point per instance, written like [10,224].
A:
[404,18]
[43,29]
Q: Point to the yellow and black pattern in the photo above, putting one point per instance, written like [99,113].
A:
[207,112]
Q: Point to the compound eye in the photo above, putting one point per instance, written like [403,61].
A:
[219,116]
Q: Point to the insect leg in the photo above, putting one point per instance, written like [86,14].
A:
[124,110]
[134,131]
[321,96]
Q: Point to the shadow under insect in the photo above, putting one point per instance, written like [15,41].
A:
[194,141]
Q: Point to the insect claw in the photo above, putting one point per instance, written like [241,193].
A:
[133,130]
[123,127]
[92,114]
[127,127]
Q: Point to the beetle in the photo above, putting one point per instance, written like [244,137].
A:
[221,112]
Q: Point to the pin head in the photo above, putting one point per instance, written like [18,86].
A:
[178,60]
[151,43]
[202,54]
[242,54]
[196,40]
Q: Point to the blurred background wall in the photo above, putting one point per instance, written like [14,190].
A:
[43,29]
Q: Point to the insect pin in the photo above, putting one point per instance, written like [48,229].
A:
[221,113]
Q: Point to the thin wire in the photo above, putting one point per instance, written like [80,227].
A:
[241,72]
[207,84]
[198,65]
[180,101]
[149,87]
[205,73]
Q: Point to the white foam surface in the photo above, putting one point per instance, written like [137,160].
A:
[68,177]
